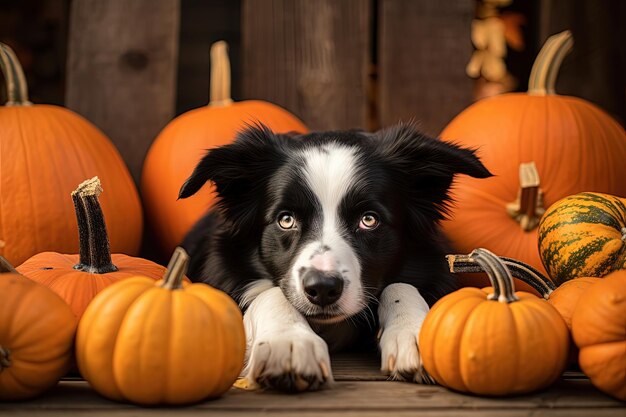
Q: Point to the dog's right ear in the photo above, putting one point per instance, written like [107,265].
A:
[239,170]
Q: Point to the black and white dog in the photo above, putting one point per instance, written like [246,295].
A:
[314,232]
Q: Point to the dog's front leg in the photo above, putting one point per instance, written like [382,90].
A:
[283,352]
[401,312]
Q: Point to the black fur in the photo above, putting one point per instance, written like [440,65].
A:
[404,176]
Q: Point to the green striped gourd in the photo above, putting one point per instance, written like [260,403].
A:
[583,236]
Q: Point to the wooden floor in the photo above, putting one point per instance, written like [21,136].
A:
[360,391]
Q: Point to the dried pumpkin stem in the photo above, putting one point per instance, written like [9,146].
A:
[5,358]
[220,75]
[17,89]
[546,67]
[6,267]
[94,248]
[465,264]
[498,274]
[528,208]
[176,270]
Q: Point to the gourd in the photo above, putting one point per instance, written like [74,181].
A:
[185,140]
[46,151]
[161,343]
[78,278]
[496,341]
[37,331]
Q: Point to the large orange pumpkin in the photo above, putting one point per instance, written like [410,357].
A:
[599,330]
[44,152]
[575,147]
[36,337]
[78,278]
[184,141]
[161,343]
[495,341]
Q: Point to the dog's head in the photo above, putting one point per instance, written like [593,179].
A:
[329,211]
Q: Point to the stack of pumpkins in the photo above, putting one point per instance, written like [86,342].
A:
[104,311]
[466,342]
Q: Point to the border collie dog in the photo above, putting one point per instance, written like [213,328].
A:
[314,233]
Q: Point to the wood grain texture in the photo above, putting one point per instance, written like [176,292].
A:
[121,70]
[310,57]
[424,47]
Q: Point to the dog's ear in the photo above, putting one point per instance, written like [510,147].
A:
[427,165]
[240,171]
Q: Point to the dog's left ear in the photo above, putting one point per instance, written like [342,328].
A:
[427,165]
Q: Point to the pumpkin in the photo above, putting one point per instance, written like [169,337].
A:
[541,147]
[78,278]
[599,330]
[566,296]
[46,151]
[493,344]
[36,337]
[161,343]
[583,236]
[184,141]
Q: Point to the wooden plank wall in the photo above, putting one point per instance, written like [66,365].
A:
[311,57]
[121,70]
[424,47]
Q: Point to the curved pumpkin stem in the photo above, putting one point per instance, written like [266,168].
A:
[531,276]
[528,208]
[220,75]
[176,270]
[5,358]
[548,62]
[498,274]
[17,89]
[94,248]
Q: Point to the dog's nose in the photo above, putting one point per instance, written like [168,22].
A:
[322,288]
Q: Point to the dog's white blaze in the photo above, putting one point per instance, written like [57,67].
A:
[329,172]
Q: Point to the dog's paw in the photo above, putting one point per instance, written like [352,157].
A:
[400,356]
[291,361]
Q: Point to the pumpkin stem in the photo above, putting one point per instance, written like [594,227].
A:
[548,62]
[176,270]
[220,75]
[94,248]
[527,208]
[6,267]
[5,358]
[17,89]
[498,274]
[465,264]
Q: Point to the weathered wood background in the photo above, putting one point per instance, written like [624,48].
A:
[337,64]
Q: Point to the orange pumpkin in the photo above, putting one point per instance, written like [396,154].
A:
[599,330]
[161,343]
[575,147]
[566,296]
[46,151]
[78,278]
[493,344]
[36,337]
[184,141]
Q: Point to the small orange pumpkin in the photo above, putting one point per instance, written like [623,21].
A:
[599,330]
[575,146]
[46,151]
[78,278]
[36,337]
[161,343]
[493,344]
[184,141]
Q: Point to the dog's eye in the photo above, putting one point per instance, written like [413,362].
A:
[286,220]
[369,221]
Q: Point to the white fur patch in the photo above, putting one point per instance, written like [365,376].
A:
[330,172]
[401,312]
[282,349]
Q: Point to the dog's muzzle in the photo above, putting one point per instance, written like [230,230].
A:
[322,288]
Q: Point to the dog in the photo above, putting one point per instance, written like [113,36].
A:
[312,233]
